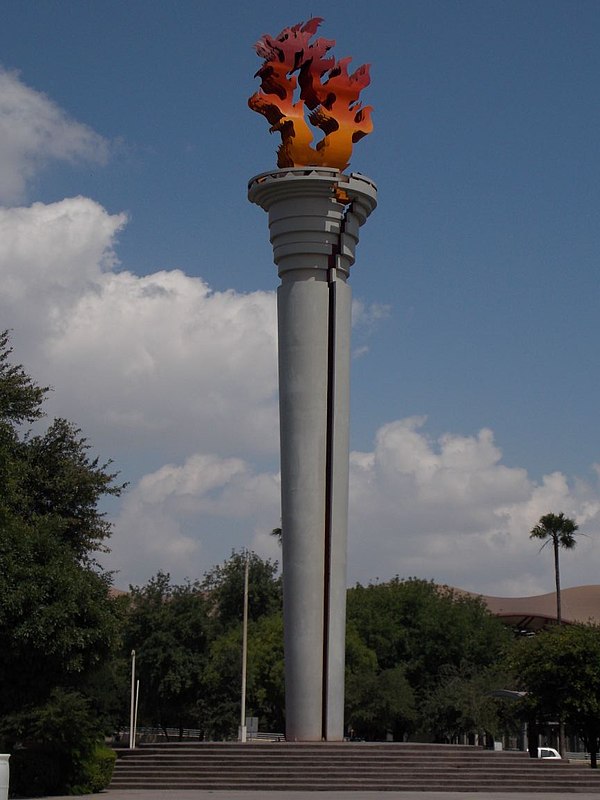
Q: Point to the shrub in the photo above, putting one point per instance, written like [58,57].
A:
[34,773]
[95,771]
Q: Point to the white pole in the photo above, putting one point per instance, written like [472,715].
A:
[132,710]
[137,697]
[244,652]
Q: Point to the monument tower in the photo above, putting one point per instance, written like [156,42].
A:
[315,211]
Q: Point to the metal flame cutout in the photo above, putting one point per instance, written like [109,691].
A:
[326,89]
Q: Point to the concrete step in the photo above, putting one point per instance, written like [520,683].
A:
[344,767]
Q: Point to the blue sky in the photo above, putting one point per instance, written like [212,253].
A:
[128,138]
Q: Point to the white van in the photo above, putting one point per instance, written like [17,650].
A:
[548,752]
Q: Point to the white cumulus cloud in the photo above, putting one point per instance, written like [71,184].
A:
[185,518]
[444,509]
[159,363]
[160,371]
[35,131]
[449,510]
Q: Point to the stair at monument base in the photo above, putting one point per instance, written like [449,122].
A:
[348,766]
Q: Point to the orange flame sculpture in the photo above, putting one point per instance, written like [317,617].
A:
[326,89]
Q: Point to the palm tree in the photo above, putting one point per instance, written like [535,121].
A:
[278,534]
[559,530]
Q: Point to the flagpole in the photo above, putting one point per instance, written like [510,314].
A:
[132,711]
[243,730]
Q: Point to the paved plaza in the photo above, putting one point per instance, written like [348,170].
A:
[144,794]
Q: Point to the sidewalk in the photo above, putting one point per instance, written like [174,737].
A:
[145,794]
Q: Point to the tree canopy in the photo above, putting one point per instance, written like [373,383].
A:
[188,647]
[168,627]
[58,624]
[20,397]
[224,586]
[559,669]
[411,636]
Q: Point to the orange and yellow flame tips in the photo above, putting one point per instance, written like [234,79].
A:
[327,90]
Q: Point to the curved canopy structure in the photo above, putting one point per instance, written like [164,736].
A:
[579,604]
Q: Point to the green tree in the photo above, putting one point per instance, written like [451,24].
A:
[278,534]
[223,682]
[224,588]
[378,703]
[63,728]
[461,703]
[169,628]
[265,696]
[61,482]
[188,643]
[49,477]
[559,669]
[20,403]
[58,623]
[21,398]
[559,530]
[425,631]
[266,693]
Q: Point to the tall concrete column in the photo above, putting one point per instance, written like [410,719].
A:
[314,218]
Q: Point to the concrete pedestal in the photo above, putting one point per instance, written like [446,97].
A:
[314,217]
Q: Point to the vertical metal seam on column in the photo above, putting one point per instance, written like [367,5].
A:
[329,459]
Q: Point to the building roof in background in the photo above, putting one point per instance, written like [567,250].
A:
[579,604]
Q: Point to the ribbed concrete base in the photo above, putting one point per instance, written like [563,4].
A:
[345,767]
